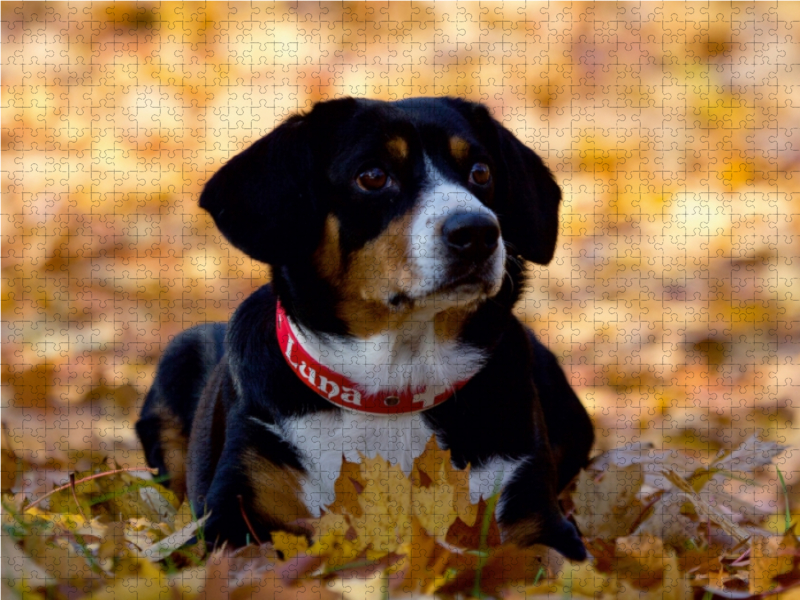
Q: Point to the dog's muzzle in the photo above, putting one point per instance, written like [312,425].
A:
[471,237]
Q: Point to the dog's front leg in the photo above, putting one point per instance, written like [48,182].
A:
[256,487]
[529,512]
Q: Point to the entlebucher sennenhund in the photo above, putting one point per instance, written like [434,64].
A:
[397,234]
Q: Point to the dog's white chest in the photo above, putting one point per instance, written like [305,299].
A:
[322,439]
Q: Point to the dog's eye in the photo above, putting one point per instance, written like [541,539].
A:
[480,174]
[373,179]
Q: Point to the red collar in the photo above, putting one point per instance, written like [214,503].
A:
[343,392]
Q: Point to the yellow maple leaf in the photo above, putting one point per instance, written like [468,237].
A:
[289,544]
[381,500]
[347,486]
[335,541]
[136,577]
[446,495]
[385,505]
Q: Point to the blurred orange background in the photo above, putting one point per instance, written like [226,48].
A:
[674,130]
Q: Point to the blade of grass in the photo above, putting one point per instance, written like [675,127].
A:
[484,549]
[785,500]
[351,565]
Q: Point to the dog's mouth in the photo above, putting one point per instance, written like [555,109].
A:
[472,283]
[475,278]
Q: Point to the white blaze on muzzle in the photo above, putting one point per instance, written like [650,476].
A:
[430,256]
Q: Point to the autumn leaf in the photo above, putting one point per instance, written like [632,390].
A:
[465,536]
[163,548]
[348,485]
[704,509]
[770,557]
[423,564]
[135,576]
[645,561]
[109,491]
[752,454]
[379,501]
[22,575]
[606,506]
[436,480]
[385,503]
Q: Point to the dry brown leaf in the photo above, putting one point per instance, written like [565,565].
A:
[469,537]
[163,548]
[546,590]
[61,559]
[704,509]
[608,508]
[423,564]
[510,571]
[188,583]
[116,494]
[112,543]
[20,572]
[217,577]
[228,578]
[648,565]
[666,521]
[372,587]
[652,461]
[254,561]
[700,561]
[641,559]
[583,580]
[751,455]
[8,464]
[770,557]
[739,507]
[717,578]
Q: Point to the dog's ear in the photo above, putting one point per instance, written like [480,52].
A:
[265,200]
[527,196]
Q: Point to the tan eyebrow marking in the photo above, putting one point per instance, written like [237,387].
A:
[459,148]
[398,147]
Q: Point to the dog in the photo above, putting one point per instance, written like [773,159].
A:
[397,234]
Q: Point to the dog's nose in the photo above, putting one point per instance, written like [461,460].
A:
[472,236]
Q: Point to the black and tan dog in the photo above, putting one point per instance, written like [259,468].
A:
[396,233]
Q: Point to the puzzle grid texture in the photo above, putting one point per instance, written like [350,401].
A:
[674,131]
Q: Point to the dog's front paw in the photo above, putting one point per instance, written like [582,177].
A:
[558,533]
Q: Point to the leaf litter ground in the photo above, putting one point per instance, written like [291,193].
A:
[658,524]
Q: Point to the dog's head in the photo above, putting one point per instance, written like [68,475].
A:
[402,206]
